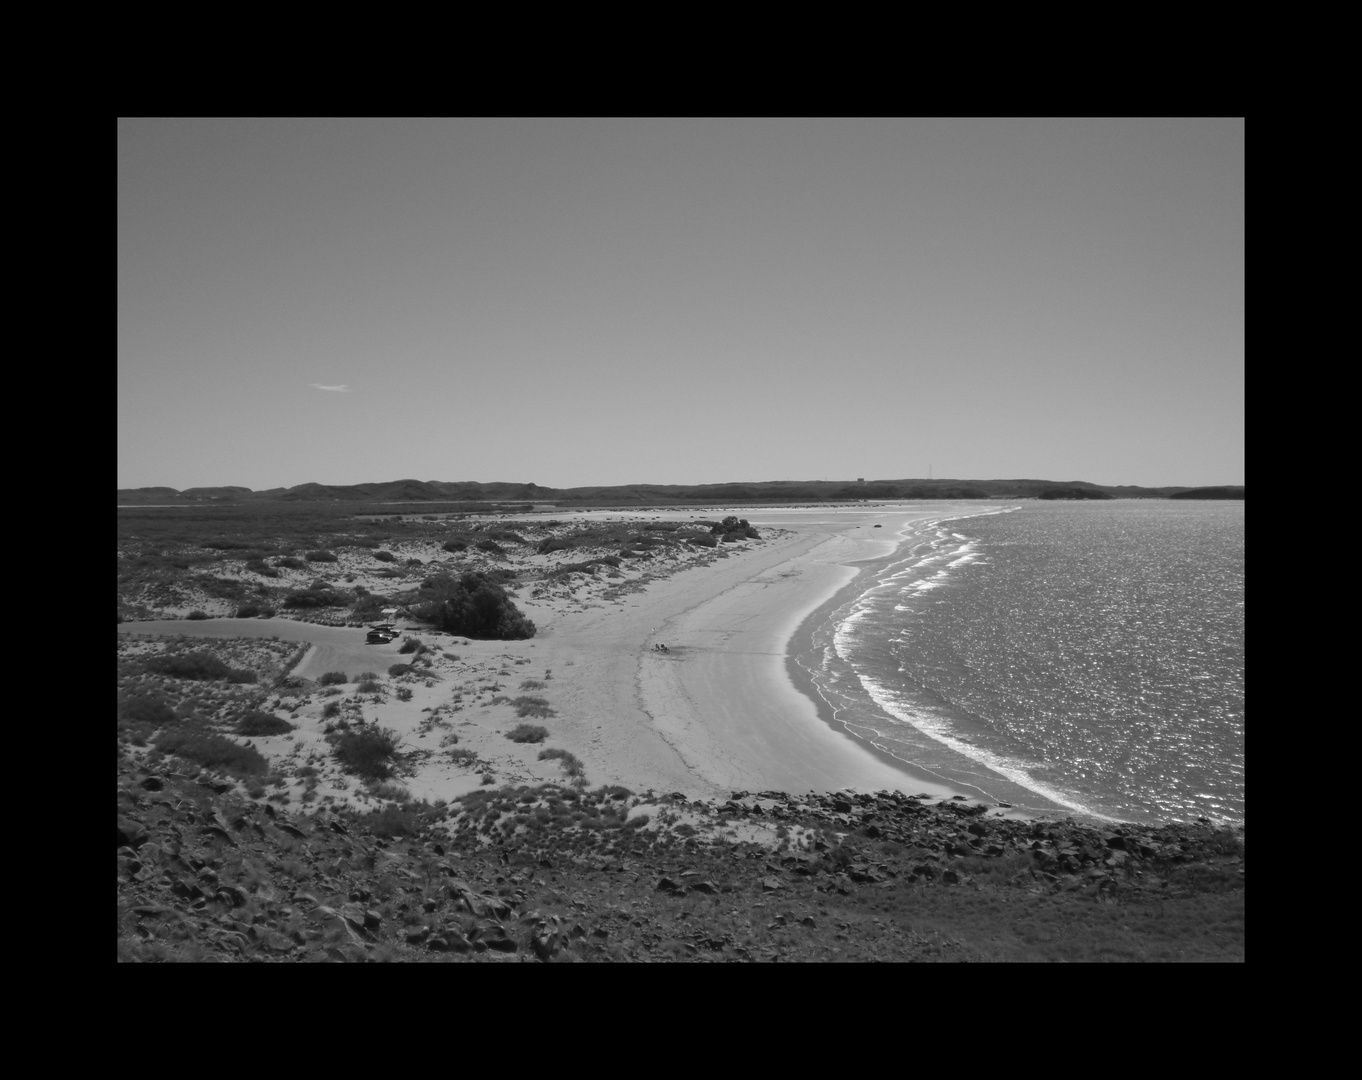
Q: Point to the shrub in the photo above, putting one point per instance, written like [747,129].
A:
[263,723]
[572,765]
[491,546]
[704,541]
[259,566]
[393,821]
[472,606]
[523,733]
[411,645]
[289,563]
[532,706]
[369,686]
[463,756]
[332,709]
[454,546]
[385,556]
[213,752]
[333,678]
[310,598]
[139,716]
[404,694]
[199,666]
[322,556]
[399,669]
[196,614]
[553,543]
[367,752]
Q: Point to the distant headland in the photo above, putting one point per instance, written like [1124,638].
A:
[745,493]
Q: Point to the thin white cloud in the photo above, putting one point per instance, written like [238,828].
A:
[342,389]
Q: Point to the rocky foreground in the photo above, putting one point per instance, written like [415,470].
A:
[559,874]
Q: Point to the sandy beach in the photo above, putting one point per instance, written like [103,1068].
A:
[715,712]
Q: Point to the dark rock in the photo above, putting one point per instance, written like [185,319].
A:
[132,834]
[153,783]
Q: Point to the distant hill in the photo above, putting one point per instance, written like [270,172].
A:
[1073,493]
[1210,493]
[764,491]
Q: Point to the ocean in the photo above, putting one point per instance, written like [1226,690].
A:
[1080,658]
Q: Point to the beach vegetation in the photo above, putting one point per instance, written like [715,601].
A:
[262,723]
[197,666]
[367,752]
[333,678]
[213,752]
[570,763]
[473,606]
[528,733]
[311,598]
[322,556]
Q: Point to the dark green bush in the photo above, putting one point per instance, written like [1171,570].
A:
[523,733]
[399,669]
[333,678]
[196,614]
[367,751]
[554,543]
[385,556]
[322,556]
[572,765]
[472,606]
[263,723]
[310,598]
[140,716]
[454,546]
[289,563]
[491,546]
[704,541]
[369,686]
[532,706]
[197,666]
[213,752]
[392,822]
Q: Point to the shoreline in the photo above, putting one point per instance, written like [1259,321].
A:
[759,722]
[725,708]
[979,783]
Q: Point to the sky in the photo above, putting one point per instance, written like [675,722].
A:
[602,301]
